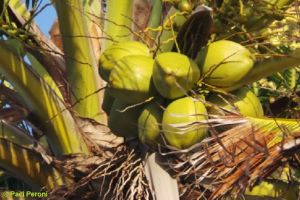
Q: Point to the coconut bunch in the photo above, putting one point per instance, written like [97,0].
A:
[186,100]
[190,103]
[157,95]
[155,99]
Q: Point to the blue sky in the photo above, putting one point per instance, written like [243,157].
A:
[45,18]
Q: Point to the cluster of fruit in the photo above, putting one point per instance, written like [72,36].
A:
[158,100]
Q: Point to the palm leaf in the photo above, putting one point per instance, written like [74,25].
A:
[239,157]
[58,123]
[22,157]
[44,50]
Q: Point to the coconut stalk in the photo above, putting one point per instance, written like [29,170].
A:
[94,25]
[18,49]
[167,36]
[93,19]
[117,24]
[80,60]
[156,15]
[56,121]
[16,135]
[18,157]
[154,21]
[28,166]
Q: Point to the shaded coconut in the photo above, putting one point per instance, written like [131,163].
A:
[131,79]
[177,122]
[123,120]
[223,63]
[107,103]
[174,74]
[244,101]
[150,124]
[117,51]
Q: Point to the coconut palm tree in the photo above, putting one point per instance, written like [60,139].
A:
[54,132]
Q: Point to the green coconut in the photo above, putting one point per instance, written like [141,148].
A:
[150,124]
[174,74]
[117,51]
[244,101]
[223,63]
[123,119]
[185,6]
[131,79]
[273,189]
[176,118]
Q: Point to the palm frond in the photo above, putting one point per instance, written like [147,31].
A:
[121,176]
[45,51]
[237,158]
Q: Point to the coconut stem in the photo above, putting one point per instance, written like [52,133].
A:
[80,60]
[118,22]
[155,17]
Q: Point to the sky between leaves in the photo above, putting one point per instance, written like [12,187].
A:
[46,17]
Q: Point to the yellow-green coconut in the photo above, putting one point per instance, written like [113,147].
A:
[244,101]
[176,118]
[131,79]
[223,63]
[150,124]
[117,51]
[174,74]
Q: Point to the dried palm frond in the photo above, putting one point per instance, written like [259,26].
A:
[12,114]
[235,159]
[99,134]
[119,177]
